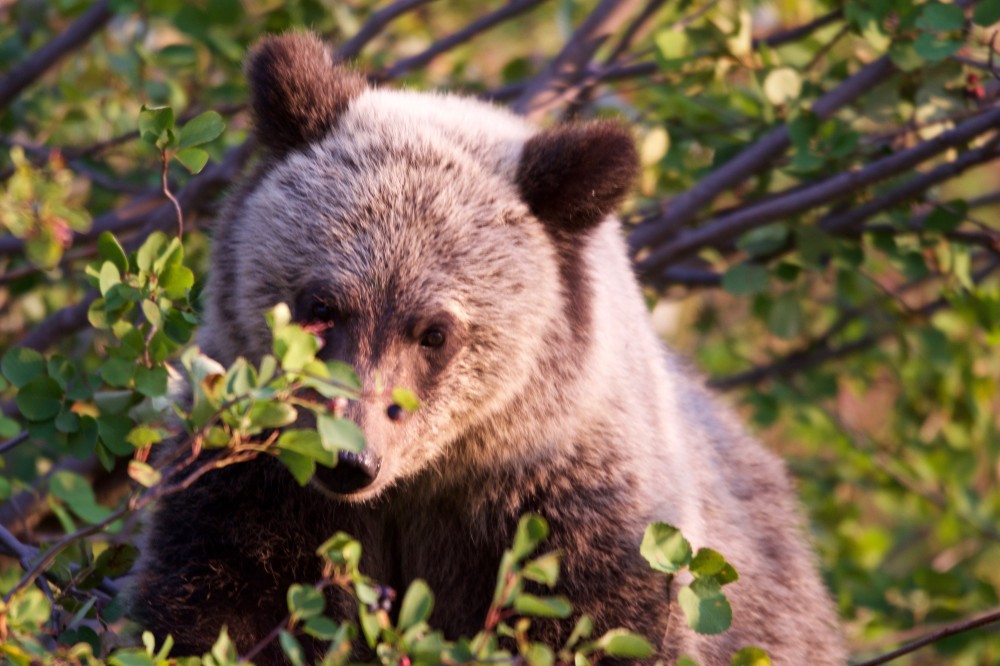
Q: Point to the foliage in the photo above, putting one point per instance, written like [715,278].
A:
[814,219]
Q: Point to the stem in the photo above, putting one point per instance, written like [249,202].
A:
[992,617]
[168,194]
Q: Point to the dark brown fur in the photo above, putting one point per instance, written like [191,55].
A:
[296,91]
[573,176]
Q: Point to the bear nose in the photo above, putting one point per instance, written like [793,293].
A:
[354,472]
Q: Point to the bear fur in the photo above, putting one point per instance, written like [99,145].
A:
[459,251]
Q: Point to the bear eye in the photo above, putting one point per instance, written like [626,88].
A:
[321,312]
[432,338]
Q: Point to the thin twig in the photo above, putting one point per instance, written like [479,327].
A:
[554,85]
[960,627]
[165,188]
[782,207]
[799,32]
[444,44]
[375,24]
[14,441]
[683,209]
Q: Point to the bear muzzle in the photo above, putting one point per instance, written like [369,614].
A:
[353,472]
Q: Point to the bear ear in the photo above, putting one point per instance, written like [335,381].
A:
[572,176]
[296,90]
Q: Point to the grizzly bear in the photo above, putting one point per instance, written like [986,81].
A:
[446,245]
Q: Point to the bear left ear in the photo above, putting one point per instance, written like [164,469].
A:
[297,91]
[572,176]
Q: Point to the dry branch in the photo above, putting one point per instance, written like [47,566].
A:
[960,627]
[729,226]
[555,84]
[445,44]
[683,209]
[44,58]
[374,26]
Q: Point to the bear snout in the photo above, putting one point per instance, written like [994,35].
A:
[354,472]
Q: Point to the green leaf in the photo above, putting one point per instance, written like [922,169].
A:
[417,604]
[143,435]
[292,649]
[109,249]
[109,277]
[538,654]
[707,562]
[28,611]
[583,629]
[986,13]
[74,490]
[193,159]
[294,347]
[406,399]
[745,279]
[272,414]
[933,48]
[782,86]
[785,316]
[529,604]
[151,311]
[544,569]
[114,561]
[8,427]
[113,402]
[665,548]
[321,627]
[763,240]
[302,467]
[341,548]
[203,128]
[705,607]
[150,250]
[945,218]
[143,474]
[156,125]
[113,430]
[305,601]
[751,656]
[117,372]
[937,17]
[40,399]
[176,280]
[20,365]
[151,382]
[625,644]
[339,434]
[306,443]
[531,531]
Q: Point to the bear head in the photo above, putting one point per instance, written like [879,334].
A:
[432,240]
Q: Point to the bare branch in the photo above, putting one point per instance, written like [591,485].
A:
[800,32]
[684,208]
[445,44]
[960,627]
[820,350]
[747,217]
[41,60]
[555,83]
[912,188]
[375,24]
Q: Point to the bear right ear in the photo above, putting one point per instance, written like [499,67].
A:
[572,176]
[297,91]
